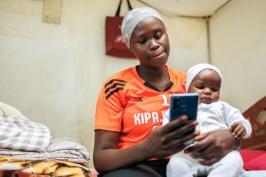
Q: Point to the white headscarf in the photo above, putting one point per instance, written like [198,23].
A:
[132,19]
[196,69]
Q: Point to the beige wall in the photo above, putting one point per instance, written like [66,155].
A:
[238,47]
[53,73]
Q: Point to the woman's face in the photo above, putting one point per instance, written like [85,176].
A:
[149,42]
[207,84]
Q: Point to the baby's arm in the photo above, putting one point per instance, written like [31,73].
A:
[238,130]
[239,125]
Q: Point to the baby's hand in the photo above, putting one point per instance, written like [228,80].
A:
[238,130]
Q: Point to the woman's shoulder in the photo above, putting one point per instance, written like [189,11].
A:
[123,75]
[117,83]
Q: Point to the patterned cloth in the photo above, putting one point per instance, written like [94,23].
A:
[47,167]
[23,134]
[59,149]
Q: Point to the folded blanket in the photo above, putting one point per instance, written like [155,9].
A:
[49,167]
[59,149]
[23,134]
[28,140]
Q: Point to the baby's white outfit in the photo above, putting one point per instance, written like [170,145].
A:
[214,116]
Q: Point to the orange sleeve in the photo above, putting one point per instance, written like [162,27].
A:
[109,111]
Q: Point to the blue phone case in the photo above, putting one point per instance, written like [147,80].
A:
[184,104]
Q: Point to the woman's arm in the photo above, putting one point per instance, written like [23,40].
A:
[213,146]
[162,142]
[106,154]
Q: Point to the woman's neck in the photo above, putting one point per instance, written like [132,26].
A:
[153,75]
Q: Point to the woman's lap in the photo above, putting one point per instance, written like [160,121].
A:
[132,172]
[156,168]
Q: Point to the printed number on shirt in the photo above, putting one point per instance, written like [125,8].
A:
[165,101]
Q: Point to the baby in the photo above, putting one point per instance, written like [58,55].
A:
[213,114]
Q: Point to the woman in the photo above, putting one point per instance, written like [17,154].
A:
[129,138]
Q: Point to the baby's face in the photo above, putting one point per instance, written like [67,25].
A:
[207,84]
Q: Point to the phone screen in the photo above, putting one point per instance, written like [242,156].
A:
[184,104]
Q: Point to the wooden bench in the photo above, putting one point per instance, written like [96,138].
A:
[258,137]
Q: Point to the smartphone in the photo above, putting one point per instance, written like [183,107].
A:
[184,104]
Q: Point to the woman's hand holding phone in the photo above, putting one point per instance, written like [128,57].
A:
[169,139]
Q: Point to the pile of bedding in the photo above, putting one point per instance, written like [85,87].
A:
[27,146]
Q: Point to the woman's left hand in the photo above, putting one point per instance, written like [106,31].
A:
[212,146]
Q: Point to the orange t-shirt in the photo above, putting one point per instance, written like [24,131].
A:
[127,105]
